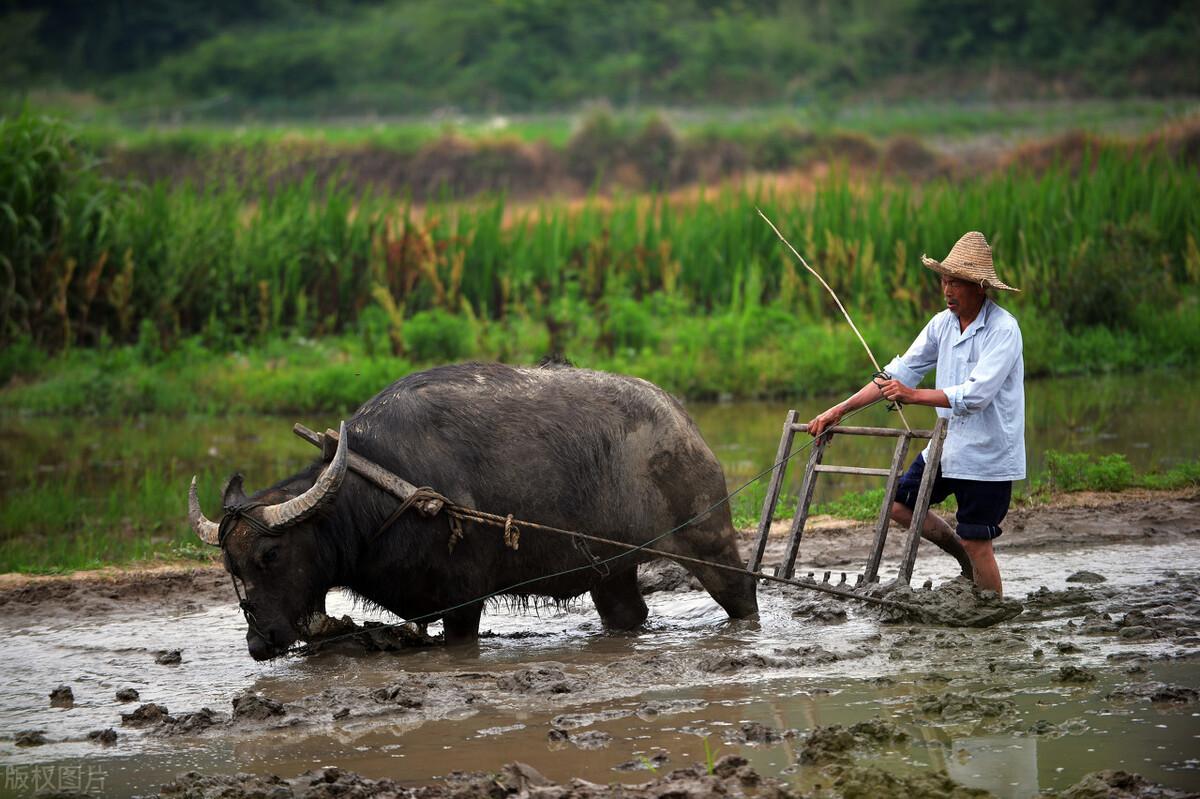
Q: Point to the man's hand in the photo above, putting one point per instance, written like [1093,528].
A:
[895,391]
[826,420]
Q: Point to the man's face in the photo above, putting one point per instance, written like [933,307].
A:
[962,295]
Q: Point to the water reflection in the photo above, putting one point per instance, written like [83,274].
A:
[115,468]
[998,763]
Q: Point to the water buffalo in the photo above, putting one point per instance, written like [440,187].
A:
[611,455]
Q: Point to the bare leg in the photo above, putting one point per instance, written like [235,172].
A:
[983,559]
[937,531]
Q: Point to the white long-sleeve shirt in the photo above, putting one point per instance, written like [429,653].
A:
[982,372]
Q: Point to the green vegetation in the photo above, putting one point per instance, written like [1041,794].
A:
[166,296]
[759,130]
[346,56]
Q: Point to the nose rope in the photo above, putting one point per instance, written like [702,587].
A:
[248,611]
[234,514]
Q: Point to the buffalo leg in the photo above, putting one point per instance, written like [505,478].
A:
[462,625]
[619,601]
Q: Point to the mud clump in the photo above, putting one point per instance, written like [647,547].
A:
[172,657]
[346,635]
[251,707]
[871,782]
[128,695]
[1155,692]
[106,737]
[592,739]
[814,655]
[665,575]
[653,709]
[829,611]
[1110,784]
[145,716]
[720,663]
[955,603]
[30,738]
[1044,599]
[62,696]
[1086,577]
[394,694]
[952,706]
[757,734]
[1075,675]
[834,743]
[190,723]
[538,680]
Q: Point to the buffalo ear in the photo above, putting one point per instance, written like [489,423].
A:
[233,494]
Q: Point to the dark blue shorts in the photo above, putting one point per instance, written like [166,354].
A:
[982,504]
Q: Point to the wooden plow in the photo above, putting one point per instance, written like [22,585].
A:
[870,574]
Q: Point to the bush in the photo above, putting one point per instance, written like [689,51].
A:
[629,325]
[595,150]
[437,336]
[655,150]
[20,359]
[1108,278]
[1069,471]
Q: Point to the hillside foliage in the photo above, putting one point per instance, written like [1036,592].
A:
[403,56]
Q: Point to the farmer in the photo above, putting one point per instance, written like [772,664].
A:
[975,346]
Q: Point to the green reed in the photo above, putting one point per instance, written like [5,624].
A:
[122,264]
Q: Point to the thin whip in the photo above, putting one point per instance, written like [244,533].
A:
[833,294]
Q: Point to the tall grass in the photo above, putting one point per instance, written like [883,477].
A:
[1108,245]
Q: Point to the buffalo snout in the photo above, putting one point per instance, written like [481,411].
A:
[263,648]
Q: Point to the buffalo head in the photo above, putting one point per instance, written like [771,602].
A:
[270,544]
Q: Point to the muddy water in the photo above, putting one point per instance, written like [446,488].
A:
[549,688]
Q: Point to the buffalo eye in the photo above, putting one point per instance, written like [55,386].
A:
[270,556]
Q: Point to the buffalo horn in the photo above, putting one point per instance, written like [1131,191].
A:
[326,486]
[207,530]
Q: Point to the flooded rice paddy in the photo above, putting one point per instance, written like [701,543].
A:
[1067,688]
[1093,675]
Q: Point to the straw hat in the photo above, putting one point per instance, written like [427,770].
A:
[970,259]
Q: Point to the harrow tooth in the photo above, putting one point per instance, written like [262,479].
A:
[843,580]
[811,577]
[825,579]
[928,585]
[858,580]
